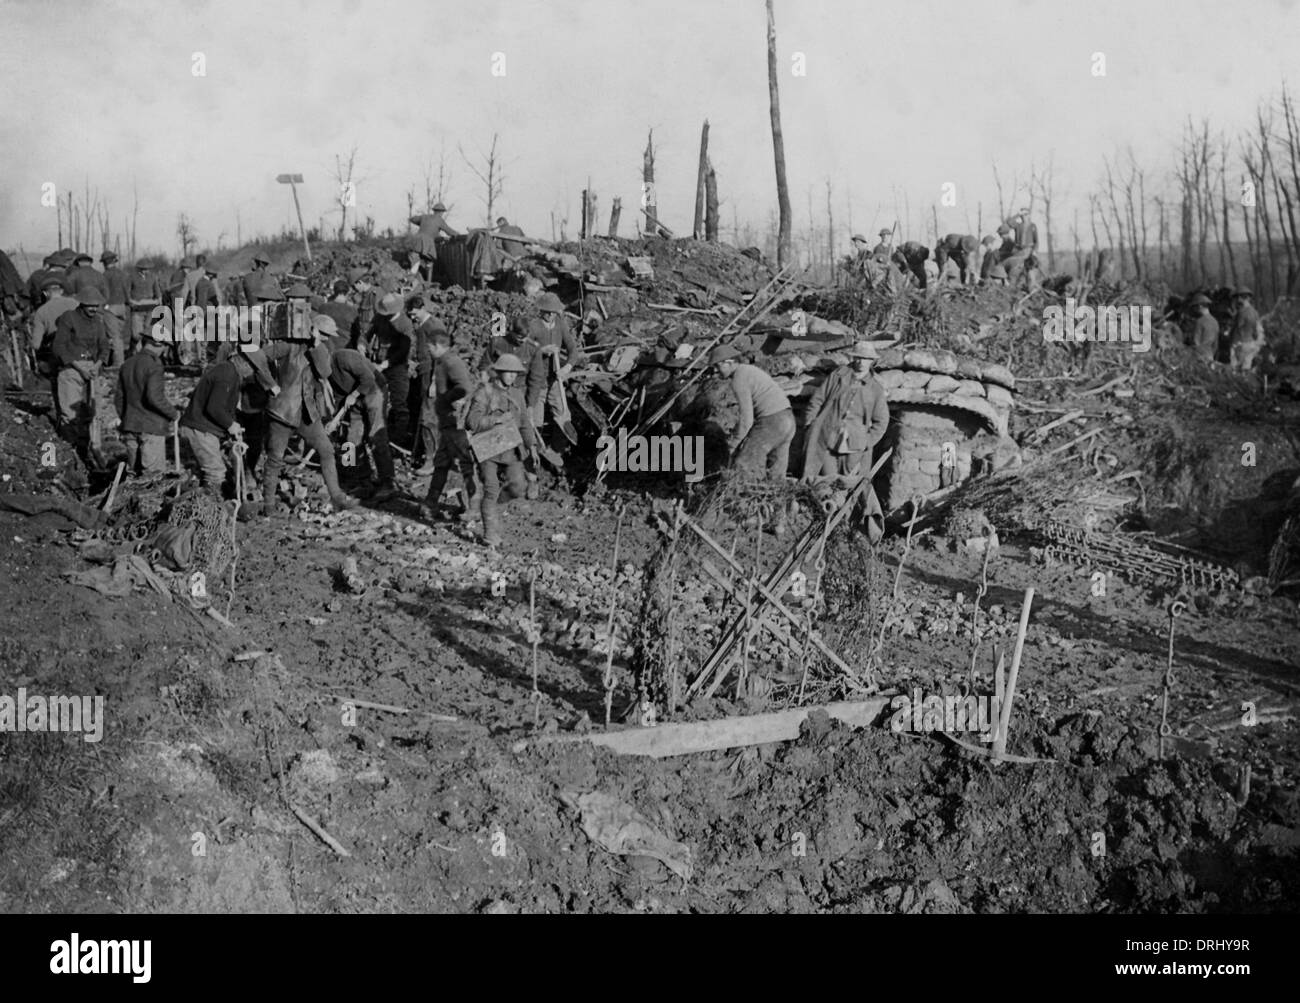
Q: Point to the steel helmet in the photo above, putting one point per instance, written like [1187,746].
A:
[508,363]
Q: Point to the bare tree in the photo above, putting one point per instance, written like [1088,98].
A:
[778,144]
[490,174]
[649,196]
[711,205]
[701,172]
[1044,183]
[346,193]
[185,233]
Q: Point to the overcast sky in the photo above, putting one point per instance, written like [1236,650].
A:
[901,96]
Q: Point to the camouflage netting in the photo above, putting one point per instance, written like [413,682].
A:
[685,612]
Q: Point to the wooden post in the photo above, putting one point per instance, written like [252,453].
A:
[700,175]
[615,211]
[1004,724]
[292,181]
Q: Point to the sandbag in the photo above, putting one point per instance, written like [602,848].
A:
[999,396]
[969,388]
[920,358]
[890,378]
[991,372]
[941,384]
[915,379]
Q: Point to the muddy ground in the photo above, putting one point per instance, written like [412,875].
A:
[185,803]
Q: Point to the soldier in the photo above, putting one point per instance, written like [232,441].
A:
[766,428]
[449,395]
[143,293]
[511,248]
[80,350]
[207,290]
[56,304]
[142,405]
[210,418]
[516,342]
[343,312]
[846,417]
[883,250]
[351,372]
[494,404]
[192,279]
[430,224]
[51,267]
[388,345]
[115,282]
[1024,233]
[960,249]
[82,276]
[259,284]
[911,259]
[365,298]
[1246,336]
[1203,335]
[419,402]
[557,352]
[301,407]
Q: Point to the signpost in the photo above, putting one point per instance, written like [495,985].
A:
[293,181]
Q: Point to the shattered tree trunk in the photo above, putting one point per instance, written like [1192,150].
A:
[778,145]
[615,211]
[649,200]
[700,181]
[711,205]
[584,231]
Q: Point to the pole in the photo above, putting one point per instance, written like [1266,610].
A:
[301,228]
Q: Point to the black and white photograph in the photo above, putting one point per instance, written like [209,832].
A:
[681,457]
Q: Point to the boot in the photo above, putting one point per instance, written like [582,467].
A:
[270,505]
[343,502]
[491,523]
[385,492]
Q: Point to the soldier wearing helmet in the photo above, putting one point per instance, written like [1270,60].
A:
[495,404]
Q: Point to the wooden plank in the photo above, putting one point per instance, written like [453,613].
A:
[725,733]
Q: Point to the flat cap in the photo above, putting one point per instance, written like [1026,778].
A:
[50,281]
[324,324]
[885,231]
[107,256]
[858,238]
[389,305]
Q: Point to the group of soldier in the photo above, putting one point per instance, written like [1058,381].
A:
[1008,258]
[380,360]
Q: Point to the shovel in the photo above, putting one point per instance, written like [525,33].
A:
[562,416]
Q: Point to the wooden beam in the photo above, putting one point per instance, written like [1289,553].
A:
[725,733]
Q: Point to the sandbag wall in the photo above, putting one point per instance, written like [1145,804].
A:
[936,397]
